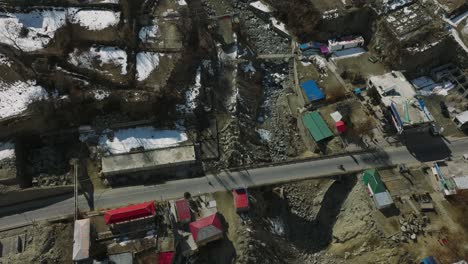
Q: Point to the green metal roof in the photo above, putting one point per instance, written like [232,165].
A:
[372,178]
[316,126]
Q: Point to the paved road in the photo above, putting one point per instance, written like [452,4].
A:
[419,149]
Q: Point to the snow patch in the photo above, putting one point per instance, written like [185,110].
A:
[7,150]
[16,97]
[4,60]
[264,134]
[181,2]
[148,138]
[100,94]
[30,31]
[149,33]
[191,95]
[147,62]
[105,56]
[94,19]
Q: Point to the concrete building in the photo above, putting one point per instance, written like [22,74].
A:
[81,240]
[398,98]
[450,178]
[453,74]
[206,229]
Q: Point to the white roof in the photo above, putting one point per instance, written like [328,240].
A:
[462,117]
[261,6]
[383,200]
[148,138]
[81,239]
[461,182]
[336,116]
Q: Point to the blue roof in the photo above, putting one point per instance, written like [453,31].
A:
[312,91]
[429,260]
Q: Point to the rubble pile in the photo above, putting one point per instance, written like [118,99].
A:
[411,227]
[258,32]
[300,200]
[49,167]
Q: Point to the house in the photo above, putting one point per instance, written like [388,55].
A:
[377,189]
[182,209]
[129,213]
[317,127]
[461,120]
[345,43]
[312,91]
[241,199]
[81,240]
[206,229]
[400,102]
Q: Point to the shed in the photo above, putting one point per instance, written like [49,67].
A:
[183,211]
[340,126]
[371,179]
[165,257]
[206,229]
[312,91]
[121,258]
[130,212]
[81,240]
[316,126]
[461,119]
[383,200]
[241,199]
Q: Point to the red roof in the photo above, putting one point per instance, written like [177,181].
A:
[182,210]
[241,198]
[340,126]
[206,228]
[129,213]
[165,257]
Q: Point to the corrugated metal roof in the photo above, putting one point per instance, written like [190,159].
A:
[183,210]
[312,91]
[128,213]
[81,239]
[372,179]
[206,228]
[241,199]
[383,200]
[316,126]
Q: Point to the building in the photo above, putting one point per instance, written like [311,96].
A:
[261,9]
[461,120]
[206,229]
[450,73]
[81,240]
[129,213]
[166,257]
[450,183]
[121,258]
[317,127]
[280,28]
[182,209]
[377,189]
[345,43]
[312,92]
[241,199]
[398,98]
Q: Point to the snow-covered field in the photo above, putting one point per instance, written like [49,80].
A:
[16,97]
[7,150]
[147,137]
[94,19]
[40,28]
[147,62]
[102,55]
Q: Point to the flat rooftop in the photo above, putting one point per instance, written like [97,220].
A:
[148,160]
[397,93]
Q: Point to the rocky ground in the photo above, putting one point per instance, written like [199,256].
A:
[307,222]
[45,243]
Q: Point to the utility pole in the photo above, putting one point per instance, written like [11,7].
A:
[75,186]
